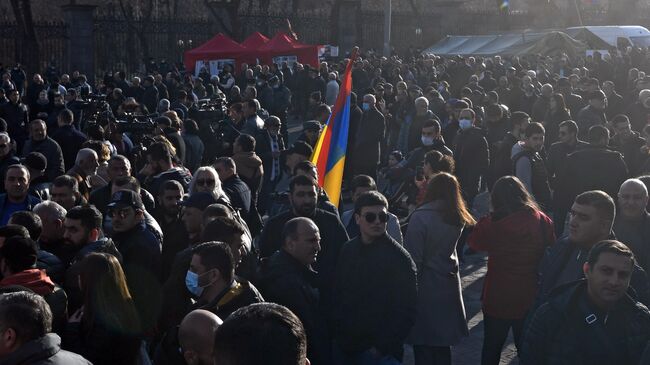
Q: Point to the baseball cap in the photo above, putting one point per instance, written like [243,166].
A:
[126,198]
[199,200]
[35,161]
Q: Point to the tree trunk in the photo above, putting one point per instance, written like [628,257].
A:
[27,48]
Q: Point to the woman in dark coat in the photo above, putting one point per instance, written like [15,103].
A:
[556,114]
[515,235]
[431,239]
[106,330]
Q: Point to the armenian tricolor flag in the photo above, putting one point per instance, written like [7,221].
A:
[329,154]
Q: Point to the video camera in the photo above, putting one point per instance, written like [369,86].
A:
[136,125]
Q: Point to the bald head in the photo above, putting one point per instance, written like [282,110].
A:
[301,240]
[632,199]
[196,336]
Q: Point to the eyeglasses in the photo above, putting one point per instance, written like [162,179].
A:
[372,217]
[205,182]
[122,213]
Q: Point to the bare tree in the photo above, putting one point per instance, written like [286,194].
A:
[28,51]
[138,21]
[227,16]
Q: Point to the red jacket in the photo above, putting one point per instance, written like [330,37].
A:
[32,279]
[515,246]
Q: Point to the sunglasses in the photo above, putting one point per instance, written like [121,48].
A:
[205,182]
[372,217]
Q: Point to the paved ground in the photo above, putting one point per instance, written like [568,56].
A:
[468,352]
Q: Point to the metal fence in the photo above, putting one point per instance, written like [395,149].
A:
[51,39]
[121,45]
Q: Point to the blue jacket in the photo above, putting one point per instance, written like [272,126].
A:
[31,202]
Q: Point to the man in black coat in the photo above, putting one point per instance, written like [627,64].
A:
[471,154]
[150,94]
[558,152]
[16,115]
[269,148]
[356,114]
[432,140]
[68,137]
[369,136]
[592,321]
[628,143]
[236,189]
[593,114]
[288,279]
[141,253]
[375,289]
[592,168]
[303,198]
[40,142]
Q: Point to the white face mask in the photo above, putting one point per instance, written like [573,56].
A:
[465,123]
[427,141]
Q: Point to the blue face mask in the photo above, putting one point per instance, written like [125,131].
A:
[192,283]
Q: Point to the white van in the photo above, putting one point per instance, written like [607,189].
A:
[635,34]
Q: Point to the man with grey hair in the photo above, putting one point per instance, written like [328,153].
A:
[368,140]
[632,223]
[7,157]
[52,218]
[332,89]
[27,338]
[163,106]
[85,169]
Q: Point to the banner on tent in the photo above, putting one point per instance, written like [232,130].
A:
[214,66]
[328,51]
[290,60]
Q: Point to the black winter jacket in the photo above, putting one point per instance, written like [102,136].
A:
[568,330]
[45,350]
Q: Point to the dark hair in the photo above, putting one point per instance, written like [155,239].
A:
[191,127]
[227,162]
[439,162]
[29,220]
[494,110]
[19,253]
[170,185]
[559,99]
[237,107]
[304,166]
[246,142]
[369,199]
[251,104]
[102,150]
[107,299]
[3,125]
[222,229]
[66,116]
[432,123]
[90,217]
[216,255]
[508,196]
[597,133]
[363,181]
[301,180]
[570,125]
[620,118]
[534,128]
[397,155]
[445,187]
[600,200]
[128,181]
[160,151]
[10,230]
[243,338]
[26,313]
[609,246]
[518,118]
[66,181]
[217,210]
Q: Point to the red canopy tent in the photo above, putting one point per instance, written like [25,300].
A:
[282,45]
[220,47]
[255,41]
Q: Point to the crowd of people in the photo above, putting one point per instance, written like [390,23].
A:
[117,252]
